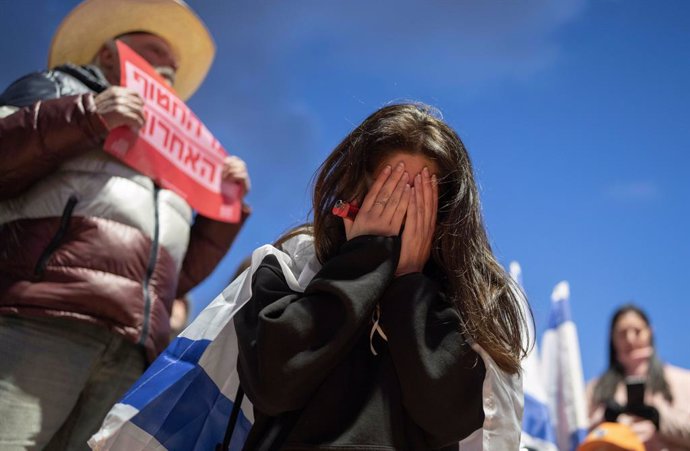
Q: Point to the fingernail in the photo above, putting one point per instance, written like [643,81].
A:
[433,178]
[407,186]
[387,168]
[400,166]
[406,175]
[425,171]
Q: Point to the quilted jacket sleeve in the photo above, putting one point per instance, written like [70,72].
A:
[36,139]
[209,241]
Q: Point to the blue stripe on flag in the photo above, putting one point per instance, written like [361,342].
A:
[240,434]
[180,357]
[536,422]
[200,419]
[559,314]
[180,405]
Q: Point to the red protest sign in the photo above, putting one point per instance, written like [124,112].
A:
[173,147]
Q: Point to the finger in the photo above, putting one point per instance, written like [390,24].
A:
[226,167]
[234,161]
[401,209]
[108,93]
[133,99]
[139,112]
[428,199]
[237,171]
[136,123]
[384,195]
[130,110]
[138,116]
[642,353]
[247,184]
[123,91]
[118,92]
[115,90]
[106,104]
[234,175]
[233,164]
[376,187]
[419,202]
[391,205]
[434,197]
[243,179]
[129,119]
[137,98]
[411,218]
[135,106]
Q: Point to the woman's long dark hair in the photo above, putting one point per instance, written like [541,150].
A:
[606,386]
[484,294]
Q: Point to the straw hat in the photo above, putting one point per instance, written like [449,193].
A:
[93,22]
[611,436]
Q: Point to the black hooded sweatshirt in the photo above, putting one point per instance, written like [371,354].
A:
[307,366]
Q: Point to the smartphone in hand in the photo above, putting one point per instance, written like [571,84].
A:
[635,387]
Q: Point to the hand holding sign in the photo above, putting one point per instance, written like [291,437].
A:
[120,106]
[173,146]
[235,170]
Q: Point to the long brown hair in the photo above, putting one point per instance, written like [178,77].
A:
[606,386]
[484,294]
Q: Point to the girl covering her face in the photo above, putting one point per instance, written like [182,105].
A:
[392,342]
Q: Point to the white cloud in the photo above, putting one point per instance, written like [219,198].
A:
[635,191]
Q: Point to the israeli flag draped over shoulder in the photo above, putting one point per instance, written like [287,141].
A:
[185,398]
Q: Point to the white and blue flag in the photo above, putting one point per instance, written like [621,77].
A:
[537,429]
[561,366]
[183,402]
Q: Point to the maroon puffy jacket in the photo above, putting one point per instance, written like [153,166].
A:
[84,236]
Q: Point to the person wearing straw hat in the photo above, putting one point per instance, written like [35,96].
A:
[92,253]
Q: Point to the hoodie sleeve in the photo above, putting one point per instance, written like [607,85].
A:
[289,342]
[441,377]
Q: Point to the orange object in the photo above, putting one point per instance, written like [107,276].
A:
[611,437]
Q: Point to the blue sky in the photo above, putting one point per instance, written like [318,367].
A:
[575,114]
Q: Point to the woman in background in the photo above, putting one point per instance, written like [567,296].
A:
[410,334]
[666,399]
